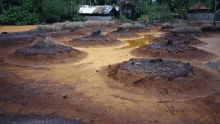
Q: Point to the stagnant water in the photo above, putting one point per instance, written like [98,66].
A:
[138,42]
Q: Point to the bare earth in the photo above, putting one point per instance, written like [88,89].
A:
[95,98]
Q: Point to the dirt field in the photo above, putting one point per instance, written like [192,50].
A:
[82,91]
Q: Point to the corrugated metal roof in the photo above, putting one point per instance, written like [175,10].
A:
[85,9]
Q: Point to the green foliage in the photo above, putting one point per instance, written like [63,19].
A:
[124,19]
[54,9]
[78,18]
[152,12]
[19,16]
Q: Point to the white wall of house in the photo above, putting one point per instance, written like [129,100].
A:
[201,16]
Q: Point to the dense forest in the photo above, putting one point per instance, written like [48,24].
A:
[20,12]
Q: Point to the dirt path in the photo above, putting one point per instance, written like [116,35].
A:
[96,99]
[14,28]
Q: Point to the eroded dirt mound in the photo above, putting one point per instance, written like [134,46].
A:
[94,40]
[180,39]
[10,39]
[176,51]
[122,34]
[161,77]
[55,54]
[157,67]
[213,65]
[69,34]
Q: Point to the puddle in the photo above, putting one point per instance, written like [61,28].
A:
[138,42]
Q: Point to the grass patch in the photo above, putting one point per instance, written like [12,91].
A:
[210,27]
[187,30]
[167,25]
[174,25]
[48,28]
[48,42]
[132,26]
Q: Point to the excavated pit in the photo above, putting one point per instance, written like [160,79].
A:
[161,78]
[180,39]
[174,51]
[50,55]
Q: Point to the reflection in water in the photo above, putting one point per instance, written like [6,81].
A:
[138,42]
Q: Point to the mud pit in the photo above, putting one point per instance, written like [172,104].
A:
[180,39]
[176,51]
[52,55]
[161,78]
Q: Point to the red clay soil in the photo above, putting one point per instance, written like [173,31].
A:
[162,78]
[57,54]
[122,34]
[93,41]
[181,39]
[172,51]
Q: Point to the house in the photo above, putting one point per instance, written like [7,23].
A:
[99,12]
[200,11]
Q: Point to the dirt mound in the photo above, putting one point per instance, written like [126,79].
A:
[144,30]
[175,51]
[94,40]
[213,65]
[122,34]
[161,77]
[180,39]
[68,33]
[55,54]
[10,39]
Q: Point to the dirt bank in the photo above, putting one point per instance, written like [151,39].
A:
[122,34]
[52,55]
[181,39]
[93,41]
[162,78]
[173,51]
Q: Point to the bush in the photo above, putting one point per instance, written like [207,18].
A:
[92,23]
[153,12]
[179,24]
[78,17]
[144,19]
[171,26]
[54,9]
[124,19]
[167,26]
[210,27]
[48,28]
[48,42]
[19,16]
[133,26]
[187,30]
